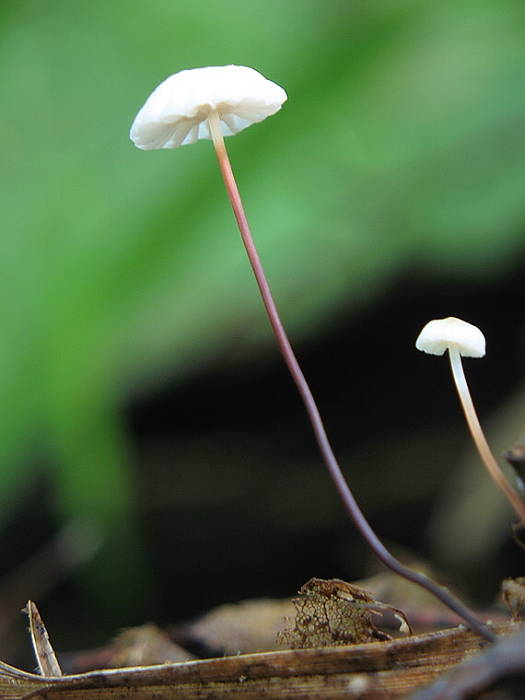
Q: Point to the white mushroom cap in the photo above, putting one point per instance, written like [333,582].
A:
[176,112]
[444,333]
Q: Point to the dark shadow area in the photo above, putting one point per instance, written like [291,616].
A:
[234,501]
[273,518]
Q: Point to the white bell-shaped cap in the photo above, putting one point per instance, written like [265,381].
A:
[445,333]
[176,112]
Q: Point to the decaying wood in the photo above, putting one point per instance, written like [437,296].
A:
[373,670]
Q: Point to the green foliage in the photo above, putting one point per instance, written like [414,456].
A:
[401,145]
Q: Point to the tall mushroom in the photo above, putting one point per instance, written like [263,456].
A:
[219,101]
[463,339]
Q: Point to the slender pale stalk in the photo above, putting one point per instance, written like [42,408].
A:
[478,436]
[313,413]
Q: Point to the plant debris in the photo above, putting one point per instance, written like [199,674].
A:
[498,673]
[145,645]
[513,594]
[333,612]
[45,656]
[515,456]
[244,627]
[365,671]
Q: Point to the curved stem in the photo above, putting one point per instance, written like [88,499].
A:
[334,469]
[478,436]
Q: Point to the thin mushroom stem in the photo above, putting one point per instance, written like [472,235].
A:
[478,436]
[290,359]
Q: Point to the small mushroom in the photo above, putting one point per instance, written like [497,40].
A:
[464,339]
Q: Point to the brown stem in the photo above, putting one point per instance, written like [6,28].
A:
[311,408]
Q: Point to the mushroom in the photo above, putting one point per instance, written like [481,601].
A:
[219,101]
[463,339]
[201,102]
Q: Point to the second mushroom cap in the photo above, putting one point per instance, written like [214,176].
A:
[442,334]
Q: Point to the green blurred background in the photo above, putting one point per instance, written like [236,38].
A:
[396,169]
